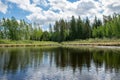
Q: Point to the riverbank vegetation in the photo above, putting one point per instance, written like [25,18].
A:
[14,31]
[93,42]
[26,43]
[87,42]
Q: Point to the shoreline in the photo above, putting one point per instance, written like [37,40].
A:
[79,43]
[93,44]
[26,45]
[62,44]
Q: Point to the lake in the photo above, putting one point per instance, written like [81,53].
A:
[59,63]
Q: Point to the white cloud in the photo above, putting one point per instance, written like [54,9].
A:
[41,2]
[26,5]
[57,9]
[110,6]
[65,9]
[3,7]
[43,17]
[85,7]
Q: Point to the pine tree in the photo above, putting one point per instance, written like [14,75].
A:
[79,28]
[73,28]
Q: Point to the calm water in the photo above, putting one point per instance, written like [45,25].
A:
[59,64]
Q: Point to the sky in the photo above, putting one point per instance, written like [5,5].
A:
[48,11]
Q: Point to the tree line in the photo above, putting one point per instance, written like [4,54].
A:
[62,30]
[21,30]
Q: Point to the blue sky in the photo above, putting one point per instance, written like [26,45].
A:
[48,11]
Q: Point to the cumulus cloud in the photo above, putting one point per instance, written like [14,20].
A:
[56,9]
[41,2]
[45,17]
[84,8]
[65,9]
[110,6]
[3,7]
[26,5]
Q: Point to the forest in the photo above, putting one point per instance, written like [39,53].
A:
[62,30]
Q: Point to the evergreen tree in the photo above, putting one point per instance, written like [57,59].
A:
[96,23]
[87,29]
[73,28]
[79,28]
[51,32]
[45,36]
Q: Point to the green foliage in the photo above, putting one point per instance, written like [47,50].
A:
[96,23]
[80,28]
[12,29]
[87,29]
[73,29]
[36,34]
[62,30]
[45,36]
[110,29]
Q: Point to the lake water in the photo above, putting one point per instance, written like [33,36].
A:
[59,64]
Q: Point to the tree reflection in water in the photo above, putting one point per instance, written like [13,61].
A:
[13,60]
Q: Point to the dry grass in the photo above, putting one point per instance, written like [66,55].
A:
[94,42]
[91,42]
[26,43]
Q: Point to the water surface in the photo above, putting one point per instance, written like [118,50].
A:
[59,64]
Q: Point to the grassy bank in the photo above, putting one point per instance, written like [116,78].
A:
[91,42]
[94,42]
[25,43]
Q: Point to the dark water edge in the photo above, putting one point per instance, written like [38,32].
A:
[59,63]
